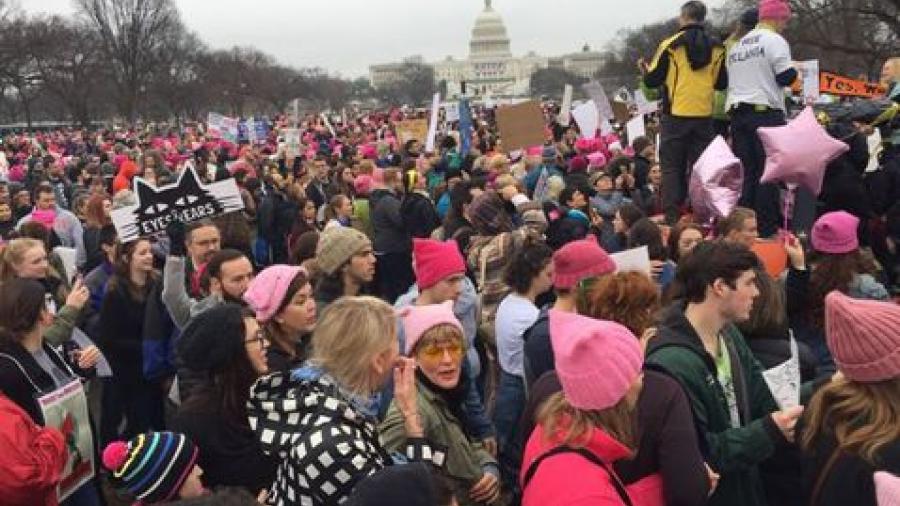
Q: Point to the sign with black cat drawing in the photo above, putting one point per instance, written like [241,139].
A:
[186,200]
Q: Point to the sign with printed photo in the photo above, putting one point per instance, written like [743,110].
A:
[186,200]
[66,409]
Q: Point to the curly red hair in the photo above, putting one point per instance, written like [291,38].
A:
[629,298]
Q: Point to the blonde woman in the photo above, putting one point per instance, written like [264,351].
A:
[27,258]
[319,419]
[851,427]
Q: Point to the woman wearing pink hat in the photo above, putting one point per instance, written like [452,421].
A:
[590,424]
[282,298]
[851,427]
[838,264]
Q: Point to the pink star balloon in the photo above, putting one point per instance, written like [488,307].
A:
[799,152]
[716,181]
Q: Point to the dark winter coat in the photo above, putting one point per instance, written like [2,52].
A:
[388,223]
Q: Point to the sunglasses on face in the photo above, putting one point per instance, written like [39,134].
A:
[434,352]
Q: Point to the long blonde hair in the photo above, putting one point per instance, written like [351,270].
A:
[559,418]
[14,254]
[863,417]
[350,334]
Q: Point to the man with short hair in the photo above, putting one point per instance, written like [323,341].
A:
[575,265]
[739,226]
[698,344]
[200,240]
[760,67]
[227,276]
[347,261]
[689,66]
[64,224]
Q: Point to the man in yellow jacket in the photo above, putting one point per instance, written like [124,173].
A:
[689,67]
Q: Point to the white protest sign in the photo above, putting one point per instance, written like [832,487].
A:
[292,140]
[606,127]
[874,143]
[451,112]
[432,125]
[594,90]
[635,128]
[222,127]
[635,259]
[565,109]
[186,200]
[587,118]
[809,75]
[328,124]
[644,106]
[784,379]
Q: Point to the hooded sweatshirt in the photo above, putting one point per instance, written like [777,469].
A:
[324,437]
[733,451]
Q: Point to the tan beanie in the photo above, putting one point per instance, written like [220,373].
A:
[337,245]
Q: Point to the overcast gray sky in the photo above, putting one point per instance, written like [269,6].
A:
[346,36]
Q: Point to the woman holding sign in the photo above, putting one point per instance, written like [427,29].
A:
[40,380]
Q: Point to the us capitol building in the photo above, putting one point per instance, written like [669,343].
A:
[491,69]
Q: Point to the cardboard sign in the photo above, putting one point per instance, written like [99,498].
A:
[65,409]
[521,125]
[809,78]
[222,127]
[410,129]
[834,84]
[564,110]
[621,113]
[187,200]
[451,112]
[635,259]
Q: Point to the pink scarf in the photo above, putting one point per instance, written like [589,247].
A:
[45,217]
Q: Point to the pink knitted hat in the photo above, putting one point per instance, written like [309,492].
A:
[419,319]
[267,290]
[362,184]
[596,360]
[864,337]
[835,232]
[778,10]
[436,260]
[579,260]
[887,489]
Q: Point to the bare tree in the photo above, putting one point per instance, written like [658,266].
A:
[134,35]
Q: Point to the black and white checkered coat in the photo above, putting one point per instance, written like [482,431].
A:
[325,445]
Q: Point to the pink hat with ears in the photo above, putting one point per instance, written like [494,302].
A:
[585,145]
[417,320]
[887,489]
[368,151]
[268,289]
[596,160]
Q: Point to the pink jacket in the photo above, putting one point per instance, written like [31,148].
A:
[570,479]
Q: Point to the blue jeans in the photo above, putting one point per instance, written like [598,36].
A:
[507,411]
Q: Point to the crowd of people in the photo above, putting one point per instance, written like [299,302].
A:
[381,324]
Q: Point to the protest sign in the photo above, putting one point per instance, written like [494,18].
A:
[565,108]
[644,106]
[809,77]
[186,200]
[834,84]
[784,379]
[451,112]
[465,126]
[410,129]
[292,139]
[635,128]
[594,90]
[588,118]
[521,125]
[621,112]
[635,259]
[328,124]
[222,127]
[432,124]
[65,409]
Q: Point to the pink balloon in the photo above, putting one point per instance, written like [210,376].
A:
[716,182]
[799,152]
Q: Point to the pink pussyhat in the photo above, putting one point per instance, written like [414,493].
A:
[775,10]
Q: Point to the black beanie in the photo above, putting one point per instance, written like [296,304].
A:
[409,484]
[750,18]
[212,338]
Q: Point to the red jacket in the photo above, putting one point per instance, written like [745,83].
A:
[570,479]
[31,458]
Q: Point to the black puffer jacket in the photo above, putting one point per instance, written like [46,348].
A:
[387,222]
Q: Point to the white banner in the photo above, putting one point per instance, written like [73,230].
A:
[432,125]
[565,108]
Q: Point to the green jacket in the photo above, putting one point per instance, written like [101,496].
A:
[467,460]
[360,219]
[733,452]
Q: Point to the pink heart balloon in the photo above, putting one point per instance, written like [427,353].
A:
[716,181]
[799,152]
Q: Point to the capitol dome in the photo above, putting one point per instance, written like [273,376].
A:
[489,39]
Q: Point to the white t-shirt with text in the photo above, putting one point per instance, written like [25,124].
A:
[753,62]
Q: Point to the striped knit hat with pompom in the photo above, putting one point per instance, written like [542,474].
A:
[152,467]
